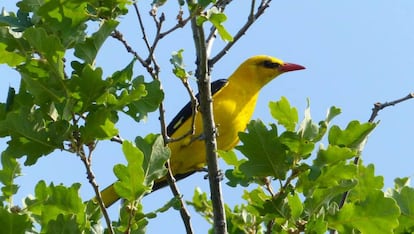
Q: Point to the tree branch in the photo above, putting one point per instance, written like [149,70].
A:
[185,215]
[251,19]
[379,106]
[91,177]
[118,35]
[180,24]
[209,129]
[154,72]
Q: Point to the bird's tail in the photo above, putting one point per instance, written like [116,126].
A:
[109,196]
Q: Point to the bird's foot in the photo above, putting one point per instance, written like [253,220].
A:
[219,176]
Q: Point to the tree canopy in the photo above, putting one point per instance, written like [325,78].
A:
[298,174]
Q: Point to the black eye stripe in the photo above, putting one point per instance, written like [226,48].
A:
[270,64]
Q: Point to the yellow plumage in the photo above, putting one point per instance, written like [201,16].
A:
[233,106]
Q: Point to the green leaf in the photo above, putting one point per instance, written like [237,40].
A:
[400,183]
[172,203]
[308,129]
[266,154]
[134,97]
[48,46]
[257,201]
[64,18]
[43,82]
[63,224]
[323,125]
[145,104]
[367,182]
[354,136]
[331,181]
[131,184]
[155,157]
[376,214]
[235,176]
[122,79]
[404,198]
[332,113]
[295,205]
[10,171]
[205,3]
[131,222]
[89,49]
[299,147]
[284,113]
[12,59]
[177,61]
[52,201]
[202,205]
[31,135]
[99,124]
[18,22]
[87,86]
[333,155]
[316,224]
[14,222]
[158,3]
[217,19]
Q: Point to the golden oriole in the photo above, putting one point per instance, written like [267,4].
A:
[234,101]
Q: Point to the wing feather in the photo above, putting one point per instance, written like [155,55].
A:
[186,112]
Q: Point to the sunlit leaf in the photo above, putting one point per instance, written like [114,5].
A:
[376,214]
[266,155]
[155,157]
[284,113]
[131,177]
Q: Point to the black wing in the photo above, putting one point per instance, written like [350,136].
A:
[186,112]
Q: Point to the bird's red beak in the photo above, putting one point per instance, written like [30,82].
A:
[287,67]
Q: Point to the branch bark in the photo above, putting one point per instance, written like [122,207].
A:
[209,129]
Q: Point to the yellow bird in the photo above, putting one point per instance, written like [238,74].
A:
[234,101]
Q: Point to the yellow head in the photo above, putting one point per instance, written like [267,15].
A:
[259,70]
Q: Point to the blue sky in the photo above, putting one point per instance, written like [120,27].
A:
[356,53]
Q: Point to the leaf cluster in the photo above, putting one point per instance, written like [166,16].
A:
[65,103]
[293,186]
[292,182]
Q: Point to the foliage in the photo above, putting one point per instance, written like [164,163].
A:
[65,103]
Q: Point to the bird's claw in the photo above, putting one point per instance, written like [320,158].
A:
[219,176]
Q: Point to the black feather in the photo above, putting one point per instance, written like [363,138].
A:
[186,112]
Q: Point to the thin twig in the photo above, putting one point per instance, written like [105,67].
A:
[194,105]
[92,180]
[158,24]
[180,24]
[379,106]
[185,215]
[118,35]
[154,72]
[141,25]
[251,19]
[268,186]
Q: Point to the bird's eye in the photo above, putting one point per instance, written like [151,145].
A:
[270,64]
